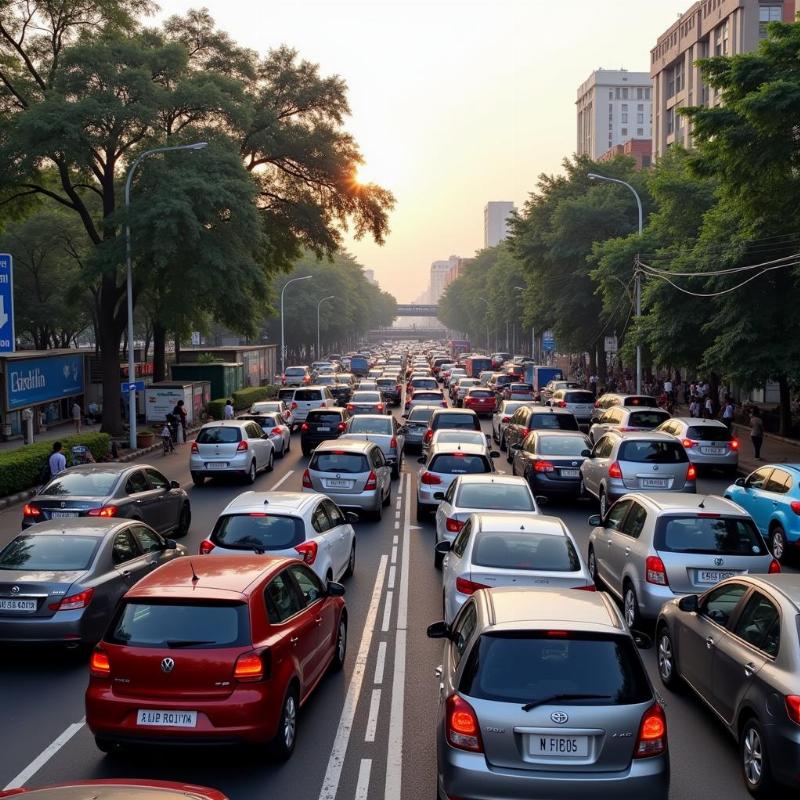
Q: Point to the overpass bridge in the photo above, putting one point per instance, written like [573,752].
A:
[417,310]
[388,334]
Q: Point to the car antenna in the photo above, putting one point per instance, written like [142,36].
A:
[194,574]
[702,504]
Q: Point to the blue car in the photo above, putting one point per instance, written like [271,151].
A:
[771,496]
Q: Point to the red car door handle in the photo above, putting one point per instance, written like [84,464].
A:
[318,620]
[294,640]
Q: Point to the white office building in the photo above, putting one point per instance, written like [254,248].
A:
[495,221]
[439,273]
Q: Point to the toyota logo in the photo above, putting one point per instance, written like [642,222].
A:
[15,590]
[167,665]
[718,562]
[559,717]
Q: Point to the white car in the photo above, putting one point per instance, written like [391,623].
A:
[307,526]
[517,550]
[230,447]
[276,428]
[501,418]
[469,494]
[308,398]
[456,435]
[275,407]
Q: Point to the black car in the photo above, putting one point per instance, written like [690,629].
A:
[533,418]
[551,461]
[452,419]
[322,424]
[391,390]
[342,390]
[135,491]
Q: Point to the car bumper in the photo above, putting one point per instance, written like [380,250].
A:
[64,627]
[616,489]
[651,597]
[730,460]
[783,741]
[238,464]
[366,501]
[568,487]
[425,493]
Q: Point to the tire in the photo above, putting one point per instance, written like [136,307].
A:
[103,745]
[630,606]
[283,744]
[198,479]
[283,449]
[395,471]
[777,543]
[340,653]
[351,562]
[592,565]
[377,514]
[604,506]
[387,501]
[754,760]
[184,522]
[251,473]
[271,462]
[422,513]
[667,664]
[438,558]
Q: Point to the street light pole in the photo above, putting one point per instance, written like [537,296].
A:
[131,355]
[330,297]
[637,274]
[533,331]
[283,343]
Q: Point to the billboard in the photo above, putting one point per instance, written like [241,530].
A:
[32,381]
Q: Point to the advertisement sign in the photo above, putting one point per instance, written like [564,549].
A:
[611,344]
[160,400]
[30,381]
[548,341]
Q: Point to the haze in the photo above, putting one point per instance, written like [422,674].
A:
[454,102]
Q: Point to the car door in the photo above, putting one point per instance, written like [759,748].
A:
[142,501]
[595,467]
[607,557]
[444,509]
[167,502]
[328,557]
[342,535]
[293,628]
[399,437]
[452,568]
[153,547]
[129,561]
[260,444]
[382,470]
[756,499]
[626,553]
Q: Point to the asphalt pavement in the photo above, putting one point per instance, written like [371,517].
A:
[366,732]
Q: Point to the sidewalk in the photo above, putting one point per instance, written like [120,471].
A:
[775,449]
[53,433]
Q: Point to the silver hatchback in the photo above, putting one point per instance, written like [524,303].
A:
[707,442]
[381,429]
[230,447]
[624,420]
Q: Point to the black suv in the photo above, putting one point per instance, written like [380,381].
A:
[322,424]
[535,418]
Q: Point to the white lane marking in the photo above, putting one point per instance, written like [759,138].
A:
[387,611]
[362,787]
[394,539]
[284,478]
[397,524]
[381,663]
[372,718]
[390,582]
[394,757]
[394,554]
[333,772]
[43,757]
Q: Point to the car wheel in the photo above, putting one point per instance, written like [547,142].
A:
[351,562]
[198,479]
[667,665]
[341,645]
[104,746]
[603,503]
[286,737]
[377,514]
[271,462]
[756,768]
[630,606]
[438,558]
[387,501]
[251,473]
[422,513]
[184,521]
[777,543]
[592,564]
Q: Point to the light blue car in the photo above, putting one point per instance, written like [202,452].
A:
[771,496]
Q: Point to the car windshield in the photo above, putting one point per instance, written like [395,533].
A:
[640,400]
[466,436]
[644,452]
[308,395]
[446,420]
[366,397]
[339,461]
[700,533]
[98,483]
[421,414]
[483,393]
[265,407]
[526,666]
[324,417]
[325,380]
[219,435]
[647,419]
[61,552]
[263,421]
[344,377]
[258,531]
[367,425]
[295,371]
[561,445]
[458,464]
[286,394]
[420,396]
[386,382]
[523,551]
[709,433]
[495,497]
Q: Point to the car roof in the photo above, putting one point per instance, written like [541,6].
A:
[351,445]
[458,447]
[539,409]
[787,583]
[641,436]
[272,502]
[382,417]
[558,433]
[682,502]
[511,523]
[226,423]
[466,412]
[77,526]
[698,421]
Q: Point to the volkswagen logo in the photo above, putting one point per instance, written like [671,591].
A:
[15,590]
[574,463]
[167,665]
[559,717]
[718,562]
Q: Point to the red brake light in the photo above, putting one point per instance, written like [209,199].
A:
[691,473]
[558,634]
[249,667]
[393,442]
[562,404]
[428,435]
[242,446]
[543,466]
[429,479]
[304,427]
[525,432]
[465,586]
[454,525]
[31,511]
[103,511]
[307,551]
[380,406]
[589,587]
[341,426]
[615,471]
[506,420]
[652,739]
[793,707]
[655,572]
[73,602]
[306,480]
[99,665]
[350,406]
[795,506]
[195,448]
[206,547]
[774,566]
[372,482]
[688,443]
[293,405]
[463,730]
[733,444]
[275,432]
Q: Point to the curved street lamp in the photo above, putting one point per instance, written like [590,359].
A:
[329,297]
[283,343]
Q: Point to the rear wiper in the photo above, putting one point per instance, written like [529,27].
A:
[187,642]
[558,697]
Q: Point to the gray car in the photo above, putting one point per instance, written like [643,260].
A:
[626,419]
[415,423]
[634,462]
[543,696]
[502,416]
[231,447]
[382,430]
[579,401]
[650,548]
[737,647]
[61,580]
[707,442]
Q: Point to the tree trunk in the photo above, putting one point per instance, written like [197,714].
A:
[109,360]
[159,352]
[785,418]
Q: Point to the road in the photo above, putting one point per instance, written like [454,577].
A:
[368,731]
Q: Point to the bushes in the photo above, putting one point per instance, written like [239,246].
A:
[242,400]
[20,469]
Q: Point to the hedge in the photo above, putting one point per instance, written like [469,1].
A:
[242,400]
[20,469]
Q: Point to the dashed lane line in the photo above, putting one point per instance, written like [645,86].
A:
[43,757]
[372,717]
[362,787]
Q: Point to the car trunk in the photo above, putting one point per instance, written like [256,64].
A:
[217,446]
[530,578]
[339,472]
[61,507]
[306,400]
[324,423]
[653,465]
[27,593]
[565,467]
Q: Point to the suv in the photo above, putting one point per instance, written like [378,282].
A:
[529,418]
[579,401]
[543,694]
[311,397]
[454,418]
[230,447]
[296,376]
[611,399]
[322,424]
[343,389]
[627,419]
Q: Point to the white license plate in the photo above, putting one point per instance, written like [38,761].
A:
[570,473]
[323,427]
[334,484]
[167,719]
[216,465]
[560,746]
[713,575]
[62,514]
[17,605]
[652,483]
[712,451]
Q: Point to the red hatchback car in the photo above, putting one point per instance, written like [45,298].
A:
[222,650]
[481,400]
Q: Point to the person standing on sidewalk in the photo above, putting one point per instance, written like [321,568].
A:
[728,411]
[57,461]
[756,432]
[76,416]
[179,412]
[228,411]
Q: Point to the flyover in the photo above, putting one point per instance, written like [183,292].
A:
[417,310]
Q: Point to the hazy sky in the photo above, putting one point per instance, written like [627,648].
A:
[454,102]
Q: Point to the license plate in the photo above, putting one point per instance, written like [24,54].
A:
[216,465]
[167,719]
[570,473]
[323,427]
[559,746]
[62,514]
[334,484]
[17,605]
[713,575]
[712,451]
[652,483]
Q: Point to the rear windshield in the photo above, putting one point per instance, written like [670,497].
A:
[286,394]
[421,414]
[62,552]
[481,393]
[427,396]
[323,417]
[647,419]
[367,425]
[527,667]
[219,435]
[258,531]
[308,394]
[726,536]
[459,464]
[424,383]
[387,382]
[556,422]
[561,445]
[147,623]
[521,387]
[330,461]
[366,397]
[469,421]
[640,400]
[295,371]
[264,422]
[326,380]
[82,483]
[537,551]
[643,452]
[495,497]
[502,380]
[578,397]
[709,433]
[460,435]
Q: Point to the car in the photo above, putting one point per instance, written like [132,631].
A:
[459,389]
[275,407]
[460,435]
[230,447]
[440,468]
[425,397]
[117,789]
[517,391]
[452,375]
[530,417]
[452,418]
[415,424]
[472,493]
[498,359]
[579,401]
[736,646]
[292,524]
[134,491]
[367,402]
[384,431]
[511,549]
[499,381]
[708,442]
[650,548]
[274,426]
[550,461]
[613,399]
[286,396]
[627,419]
[309,398]
[61,580]
[354,474]
[556,385]
[230,658]
[503,412]
[422,382]
[771,495]
[480,400]
[636,462]
[365,385]
[390,388]
[296,376]
[542,694]
[321,425]
[483,377]
[342,390]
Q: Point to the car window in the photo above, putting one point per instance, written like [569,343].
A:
[459,464]
[219,434]
[759,478]
[576,397]
[324,417]
[463,628]
[49,552]
[96,483]
[449,494]
[309,584]
[460,542]
[604,447]
[617,514]
[334,513]
[525,551]
[368,425]
[561,445]
[339,461]
[759,624]
[653,452]
[283,600]
[697,533]
[445,420]
[720,603]
[157,480]
[136,483]
[148,541]
[377,458]
[124,547]
[647,419]
[494,496]
[779,482]
[258,531]
[634,522]
[708,433]
[319,519]
[308,395]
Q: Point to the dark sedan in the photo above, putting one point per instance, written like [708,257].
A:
[134,491]
[60,581]
[551,462]
[322,424]
[342,391]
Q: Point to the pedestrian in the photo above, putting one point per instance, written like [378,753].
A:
[694,406]
[179,412]
[756,432]
[668,388]
[93,413]
[166,436]
[709,407]
[57,462]
[228,412]
[593,381]
[728,411]
[76,416]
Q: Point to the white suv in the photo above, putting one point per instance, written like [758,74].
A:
[309,398]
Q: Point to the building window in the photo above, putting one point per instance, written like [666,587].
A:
[646,94]
[625,93]
[640,107]
[767,14]
[640,119]
[624,117]
[671,82]
[610,94]
[679,77]
[617,92]
[640,132]
[670,121]
[646,161]
[624,132]
[639,93]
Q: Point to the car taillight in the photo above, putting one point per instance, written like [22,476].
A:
[249,667]
[195,448]
[275,432]
[307,551]
[350,406]
[428,435]
[341,426]
[73,601]
[691,473]
[206,547]
[774,566]
[454,525]
[793,707]
[393,442]
[306,480]
[543,466]
[688,443]
[444,403]
[99,665]
[562,404]
[597,404]
[465,586]
[589,587]
[655,572]
[615,471]
[461,723]
[372,482]
[795,506]
[242,446]
[103,511]
[733,444]
[380,406]
[524,432]
[429,479]
[31,511]
[304,427]
[293,405]
[652,739]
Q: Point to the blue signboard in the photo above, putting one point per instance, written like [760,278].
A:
[125,387]
[30,381]
[548,341]
[6,303]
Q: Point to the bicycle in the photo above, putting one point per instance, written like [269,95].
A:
[167,445]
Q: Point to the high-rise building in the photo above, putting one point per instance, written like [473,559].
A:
[369,274]
[495,221]
[613,107]
[439,272]
[708,28]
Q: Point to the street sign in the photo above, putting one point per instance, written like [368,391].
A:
[6,303]
[195,338]
[548,341]
[611,344]
[137,386]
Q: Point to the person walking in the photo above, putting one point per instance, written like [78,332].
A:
[756,432]
[76,416]
[228,411]
[179,412]
[728,411]
[709,407]
[57,461]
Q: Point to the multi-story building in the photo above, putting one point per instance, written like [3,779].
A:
[708,28]
[495,221]
[439,273]
[369,274]
[613,107]
[640,150]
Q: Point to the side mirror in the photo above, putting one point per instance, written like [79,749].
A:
[494,454]
[541,500]
[740,482]
[438,630]
[174,485]
[170,544]
[595,521]
[421,460]
[438,496]
[334,589]
[352,517]
[642,640]
[443,547]
[688,603]
[586,453]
